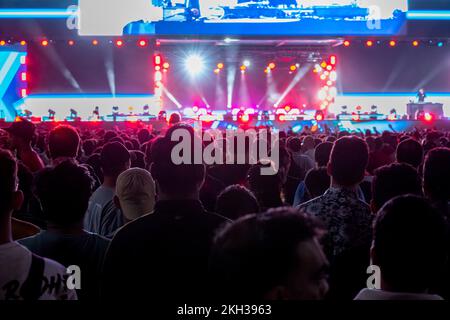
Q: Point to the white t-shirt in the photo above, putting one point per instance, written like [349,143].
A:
[15,264]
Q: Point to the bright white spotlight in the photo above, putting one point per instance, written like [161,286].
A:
[246,63]
[194,64]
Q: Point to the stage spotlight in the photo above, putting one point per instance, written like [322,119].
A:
[70,42]
[329,68]
[272,65]
[162,115]
[246,63]
[94,42]
[157,59]
[319,116]
[428,117]
[119,43]
[23,76]
[293,68]
[166,65]
[392,43]
[216,71]
[346,43]
[415,43]
[333,60]
[369,43]
[392,115]
[323,65]
[194,64]
[245,118]
[220,66]
[243,68]
[23,93]
[440,44]
[51,113]
[142,43]
[23,42]
[158,68]
[2,43]
[44,43]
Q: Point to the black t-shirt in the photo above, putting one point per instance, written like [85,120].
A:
[163,255]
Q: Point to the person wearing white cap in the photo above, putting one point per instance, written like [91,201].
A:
[135,193]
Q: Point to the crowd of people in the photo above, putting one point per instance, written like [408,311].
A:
[112,207]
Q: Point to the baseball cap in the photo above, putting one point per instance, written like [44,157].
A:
[135,189]
[23,129]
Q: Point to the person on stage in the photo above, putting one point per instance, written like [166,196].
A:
[421,96]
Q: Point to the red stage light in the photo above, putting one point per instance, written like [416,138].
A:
[428,117]
[142,43]
[319,117]
[346,43]
[157,59]
[23,93]
[245,118]
[333,60]
[71,42]
[44,43]
[415,43]
[369,43]
[282,117]
[23,76]
[94,42]
[392,43]
[119,43]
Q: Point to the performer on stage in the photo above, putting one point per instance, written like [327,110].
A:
[421,96]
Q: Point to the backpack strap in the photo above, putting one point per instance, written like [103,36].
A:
[31,288]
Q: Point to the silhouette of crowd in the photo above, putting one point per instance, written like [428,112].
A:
[111,206]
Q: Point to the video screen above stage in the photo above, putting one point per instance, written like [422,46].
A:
[243,18]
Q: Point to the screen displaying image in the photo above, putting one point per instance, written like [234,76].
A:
[243,17]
